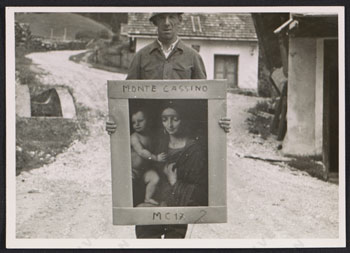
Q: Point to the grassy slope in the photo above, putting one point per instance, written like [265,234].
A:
[41,24]
[39,140]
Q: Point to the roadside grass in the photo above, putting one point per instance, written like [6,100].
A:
[259,122]
[312,165]
[264,106]
[87,58]
[260,119]
[40,139]
[245,92]
[23,72]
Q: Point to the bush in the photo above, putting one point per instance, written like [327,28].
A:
[86,35]
[24,74]
[260,119]
[103,34]
[89,35]
[264,88]
[264,106]
[40,140]
[311,164]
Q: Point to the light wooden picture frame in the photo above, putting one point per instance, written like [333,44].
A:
[119,95]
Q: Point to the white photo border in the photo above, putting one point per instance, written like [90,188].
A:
[13,242]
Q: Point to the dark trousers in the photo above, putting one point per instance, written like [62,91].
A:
[156,231]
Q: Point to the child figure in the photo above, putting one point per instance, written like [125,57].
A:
[140,155]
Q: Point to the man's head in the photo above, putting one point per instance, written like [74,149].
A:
[167,24]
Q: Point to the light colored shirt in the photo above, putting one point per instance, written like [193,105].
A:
[168,51]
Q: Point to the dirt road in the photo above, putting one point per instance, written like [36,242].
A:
[71,198]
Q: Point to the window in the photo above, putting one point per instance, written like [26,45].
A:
[196,24]
[226,67]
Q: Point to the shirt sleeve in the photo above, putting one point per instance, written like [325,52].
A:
[198,68]
[134,71]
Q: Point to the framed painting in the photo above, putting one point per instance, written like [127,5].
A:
[168,154]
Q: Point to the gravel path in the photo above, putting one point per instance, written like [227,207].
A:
[71,198]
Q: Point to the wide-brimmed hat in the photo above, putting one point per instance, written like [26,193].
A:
[157,13]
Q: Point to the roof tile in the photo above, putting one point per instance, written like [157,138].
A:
[238,26]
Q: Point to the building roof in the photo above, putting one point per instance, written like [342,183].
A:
[219,26]
[311,25]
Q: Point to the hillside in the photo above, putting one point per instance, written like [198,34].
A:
[111,20]
[42,23]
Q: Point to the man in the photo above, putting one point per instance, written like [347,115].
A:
[166,58]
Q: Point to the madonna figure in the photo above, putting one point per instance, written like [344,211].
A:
[184,174]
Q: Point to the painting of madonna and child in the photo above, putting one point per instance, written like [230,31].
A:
[169,152]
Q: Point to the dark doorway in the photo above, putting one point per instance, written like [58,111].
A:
[330,107]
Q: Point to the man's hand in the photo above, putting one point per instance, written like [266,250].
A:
[111,127]
[225,123]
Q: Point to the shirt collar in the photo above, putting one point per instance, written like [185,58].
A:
[178,44]
[172,45]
